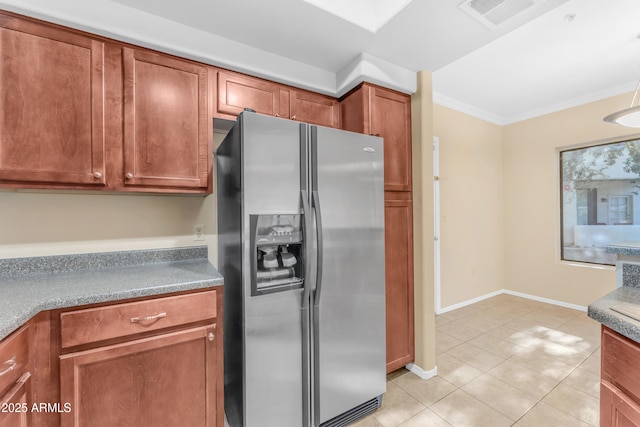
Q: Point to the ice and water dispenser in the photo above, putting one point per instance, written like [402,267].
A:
[277,260]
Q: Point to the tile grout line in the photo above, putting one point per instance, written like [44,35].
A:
[510,357]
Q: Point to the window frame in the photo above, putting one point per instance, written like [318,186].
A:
[560,188]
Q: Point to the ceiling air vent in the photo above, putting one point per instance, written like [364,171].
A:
[492,13]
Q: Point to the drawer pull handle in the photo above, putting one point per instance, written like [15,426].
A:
[11,365]
[144,319]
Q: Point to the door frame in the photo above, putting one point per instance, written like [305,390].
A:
[436,224]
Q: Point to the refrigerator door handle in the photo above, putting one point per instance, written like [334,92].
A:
[315,205]
[306,232]
[304,313]
[318,214]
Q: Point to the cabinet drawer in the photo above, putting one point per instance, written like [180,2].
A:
[14,358]
[114,321]
[621,363]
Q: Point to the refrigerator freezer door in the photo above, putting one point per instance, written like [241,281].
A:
[272,331]
[349,302]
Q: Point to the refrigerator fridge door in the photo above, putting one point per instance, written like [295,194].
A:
[349,301]
[273,164]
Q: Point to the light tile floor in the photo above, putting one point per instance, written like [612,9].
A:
[504,361]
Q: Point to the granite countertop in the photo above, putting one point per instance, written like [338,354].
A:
[625,297]
[31,285]
[624,248]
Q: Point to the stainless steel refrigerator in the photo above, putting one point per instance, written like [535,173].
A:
[301,249]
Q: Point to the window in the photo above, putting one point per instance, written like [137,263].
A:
[620,210]
[599,192]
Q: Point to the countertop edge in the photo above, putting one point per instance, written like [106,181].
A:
[600,311]
[624,248]
[30,294]
[10,326]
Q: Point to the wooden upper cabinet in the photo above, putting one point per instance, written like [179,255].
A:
[166,121]
[237,92]
[314,108]
[375,110]
[51,114]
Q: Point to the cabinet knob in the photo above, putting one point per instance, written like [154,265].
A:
[293,117]
[211,336]
[97,175]
[128,175]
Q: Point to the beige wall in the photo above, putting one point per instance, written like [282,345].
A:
[36,223]
[471,200]
[500,204]
[531,202]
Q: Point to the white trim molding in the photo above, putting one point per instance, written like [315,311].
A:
[443,310]
[514,293]
[417,370]
[546,300]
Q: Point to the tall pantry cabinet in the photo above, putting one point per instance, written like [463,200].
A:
[374,110]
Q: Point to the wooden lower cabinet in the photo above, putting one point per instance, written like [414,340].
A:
[15,380]
[15,407]
[399,279]
[158,362]
[168,380]
[147,362]
[616,408]
[620,383]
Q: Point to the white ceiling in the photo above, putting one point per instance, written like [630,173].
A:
[538,62]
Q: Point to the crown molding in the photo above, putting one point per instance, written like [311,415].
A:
[476,112]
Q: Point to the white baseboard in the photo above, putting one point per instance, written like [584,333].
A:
[417,370]
[468,302]
[547,300]
[514,293]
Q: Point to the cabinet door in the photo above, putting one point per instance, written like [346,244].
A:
[617,409]
[166,123]
[14,357]
[237,92]
[377,111]
[316,109]
[51,115]
[167,380]
[399,279]
[15,407]
[390,117]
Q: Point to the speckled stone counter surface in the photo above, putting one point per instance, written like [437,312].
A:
[31,285]
[627,296]
[600,310]
[624,248]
